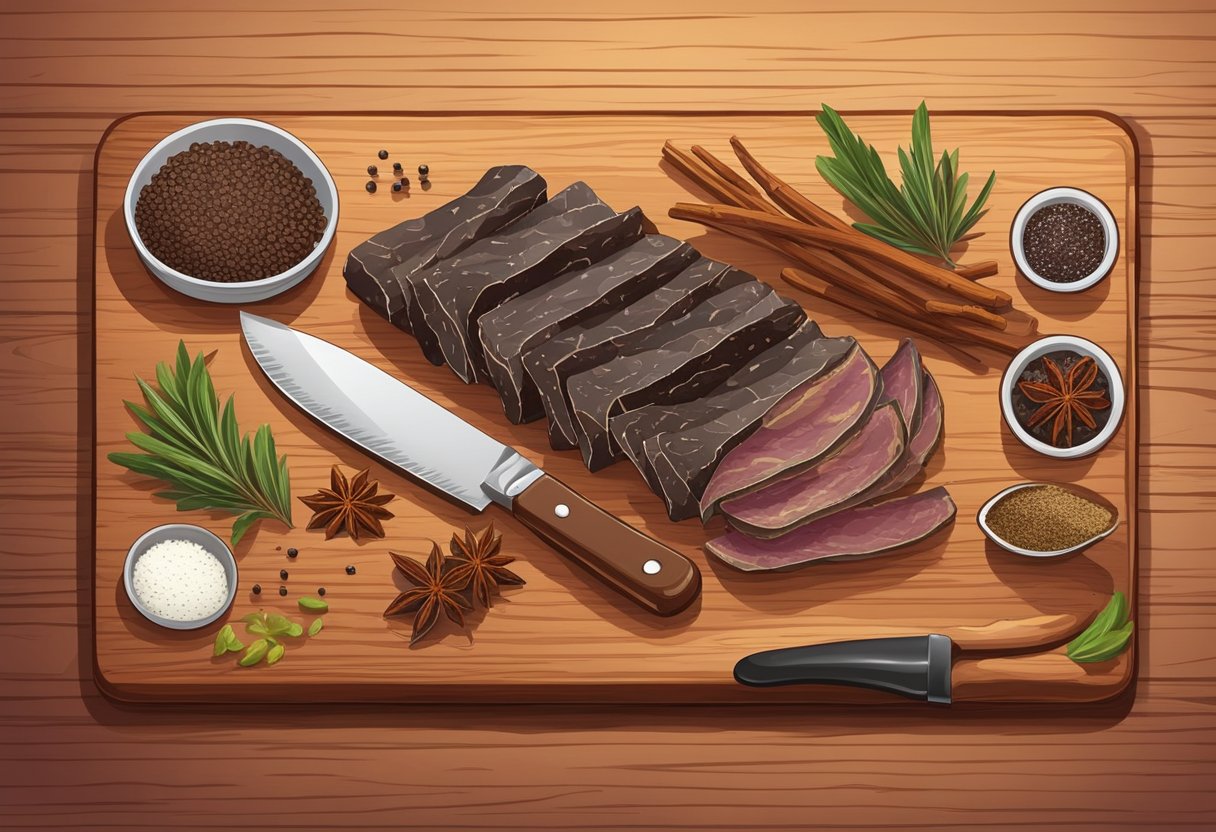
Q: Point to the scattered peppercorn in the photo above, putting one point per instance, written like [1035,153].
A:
[372,170]
[283,574]
[396,186]
[370,186]
[383,154]
[350,570]
[424,171]
[396,167]
[282,590]
[292,552]
[257,589]
[321,590]
[405,181]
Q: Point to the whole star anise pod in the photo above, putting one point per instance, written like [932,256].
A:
[351,505]
[1065,398]
[437,587]
[480,552]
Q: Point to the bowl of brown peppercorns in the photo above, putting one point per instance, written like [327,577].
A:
[231,210]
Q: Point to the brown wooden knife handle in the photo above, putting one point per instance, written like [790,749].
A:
[654,576]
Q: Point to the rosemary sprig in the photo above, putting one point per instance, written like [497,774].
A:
[1107,636]
[196,448]
[928,214]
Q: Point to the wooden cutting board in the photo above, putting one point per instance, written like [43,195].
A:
[563,637]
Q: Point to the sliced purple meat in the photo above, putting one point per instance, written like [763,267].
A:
[501,196]
[901,383]
[785,504]
[682,461]
[807,424]
[677,361]
[576,198]
[856,533]
[520,324]
[593,342]
[920,447]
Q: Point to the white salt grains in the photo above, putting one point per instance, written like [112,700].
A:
[180,581]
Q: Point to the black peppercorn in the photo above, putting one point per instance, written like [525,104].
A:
[282,590]
[283,574]
[350,570]
[292,552]
[321,590]
[371,187]
[396,167]
[257,589]
[383,154]
[372,170]
[396,186]
[424,171]
[405,181]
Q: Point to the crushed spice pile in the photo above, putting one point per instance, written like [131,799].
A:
[1047,518]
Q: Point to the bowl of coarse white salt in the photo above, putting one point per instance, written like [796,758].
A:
[179,576]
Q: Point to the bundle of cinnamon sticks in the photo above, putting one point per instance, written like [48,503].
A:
[841,264]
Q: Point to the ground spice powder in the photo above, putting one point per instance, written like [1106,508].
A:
[1047,518]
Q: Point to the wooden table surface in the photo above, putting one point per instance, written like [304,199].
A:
[72,759]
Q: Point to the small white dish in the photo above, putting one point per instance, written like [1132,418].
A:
[1054,343]
[259,134]
[1056,196]
[982,519]
[193,534]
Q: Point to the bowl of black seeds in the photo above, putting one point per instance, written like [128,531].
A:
[231,210]
[1064,240]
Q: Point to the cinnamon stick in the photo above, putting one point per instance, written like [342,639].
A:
[974,271]
[974,313]
[728,175]
[789,198]
[852,241]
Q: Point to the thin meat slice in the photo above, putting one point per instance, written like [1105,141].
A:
[593,342]
[677,361]
[807,424]
[682,461]
[922,445]
[577,198]
[520,324]
[857,533]
[502,195]
[902,383]
[785,505]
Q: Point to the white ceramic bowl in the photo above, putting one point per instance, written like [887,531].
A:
[257,133]
[1053,343]
[194,534]
[982,519]
[1056,196]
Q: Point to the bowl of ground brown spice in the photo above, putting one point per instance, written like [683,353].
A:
[1064,240]
[231,210]
[1047,520]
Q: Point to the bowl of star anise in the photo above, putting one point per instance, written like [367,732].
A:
[1062,396]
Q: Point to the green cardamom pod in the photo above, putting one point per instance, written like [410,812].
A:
[254,653]
[274,654]
[313,605]
[315,626]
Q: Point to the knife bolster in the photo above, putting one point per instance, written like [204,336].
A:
[510,477]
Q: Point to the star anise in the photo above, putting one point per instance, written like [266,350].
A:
[351,505]
[480,552]
[1065,398]
[437,587]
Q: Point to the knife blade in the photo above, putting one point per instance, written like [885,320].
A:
[393,421]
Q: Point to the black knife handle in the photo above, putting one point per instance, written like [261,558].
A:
[917,667]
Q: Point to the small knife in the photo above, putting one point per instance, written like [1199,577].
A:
[396,423]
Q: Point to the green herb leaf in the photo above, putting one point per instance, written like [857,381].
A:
[1106,636]
[275,653]
[199,451]
[316,626]
[313,605]
[928,214]
[254,653]
[226,641]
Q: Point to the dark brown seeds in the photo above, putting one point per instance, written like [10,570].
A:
[229,212]
[1064,242]
[282,590]
[383,154]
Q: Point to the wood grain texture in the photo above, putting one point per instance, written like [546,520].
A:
[73,760]
[564,637]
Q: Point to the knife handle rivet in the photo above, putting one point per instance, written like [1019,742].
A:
[561,510]
[652,567]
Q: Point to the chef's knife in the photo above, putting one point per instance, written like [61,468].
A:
[942,668]
[398,424]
